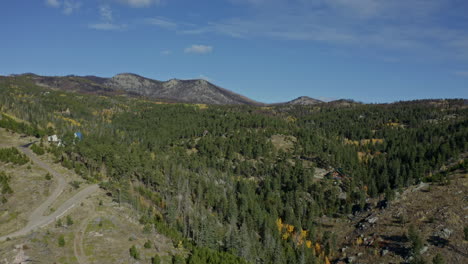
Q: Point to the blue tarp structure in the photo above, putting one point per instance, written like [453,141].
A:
[78,135]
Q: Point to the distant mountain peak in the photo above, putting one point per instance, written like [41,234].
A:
[174,90]
[304,100]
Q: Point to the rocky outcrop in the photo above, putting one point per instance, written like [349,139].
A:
[193,91]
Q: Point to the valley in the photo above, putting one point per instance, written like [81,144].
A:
[96,175]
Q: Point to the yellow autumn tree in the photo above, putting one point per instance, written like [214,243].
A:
[279,224]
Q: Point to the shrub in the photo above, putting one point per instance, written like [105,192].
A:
[61,241]
[13,155]
[37,150]
[156,260]
[75,184]
[178,259]
[69,220]
[134,252]
[147,244]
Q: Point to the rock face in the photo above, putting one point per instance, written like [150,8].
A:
[193,91]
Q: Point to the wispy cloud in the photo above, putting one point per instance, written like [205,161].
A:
[106,13]
[68,6]
[107,26]
[461,73]
[410,27]
[139,3]
[107,20]
[53,3]
[166,52]
[161,22]
[199,49]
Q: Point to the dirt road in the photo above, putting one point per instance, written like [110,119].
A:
[79,236]
[37,218]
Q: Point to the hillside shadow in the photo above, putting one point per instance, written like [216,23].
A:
[438,241]
[396,244]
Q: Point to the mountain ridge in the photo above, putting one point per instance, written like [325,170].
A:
[173,90]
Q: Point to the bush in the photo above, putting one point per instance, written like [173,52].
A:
[156,260]
[4,186]
[134,252]
[75,184]
[37,150]
[178,259]
[61,241]
[147,244]
[13,155]
[69,221]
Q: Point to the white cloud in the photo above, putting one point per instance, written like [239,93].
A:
[53,3]
[413,28]
[67,6]
[139,3]
[106,13]
[107,26]
[166,52]
[161,22]
[70,6]
[199,49]
[107,20]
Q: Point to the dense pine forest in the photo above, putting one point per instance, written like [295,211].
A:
[239,184]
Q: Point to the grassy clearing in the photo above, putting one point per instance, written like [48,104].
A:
[282,142]
[30,188]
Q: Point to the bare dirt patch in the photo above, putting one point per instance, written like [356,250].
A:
[282,142]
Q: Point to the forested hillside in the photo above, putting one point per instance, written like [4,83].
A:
[241,184]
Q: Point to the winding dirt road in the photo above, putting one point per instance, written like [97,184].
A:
[37,219]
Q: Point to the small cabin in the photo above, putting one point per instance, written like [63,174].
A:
[53,138]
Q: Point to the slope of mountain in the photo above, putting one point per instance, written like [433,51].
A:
[190,91]
[194,91]
[304,100]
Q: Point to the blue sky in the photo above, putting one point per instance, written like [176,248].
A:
[269,50]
